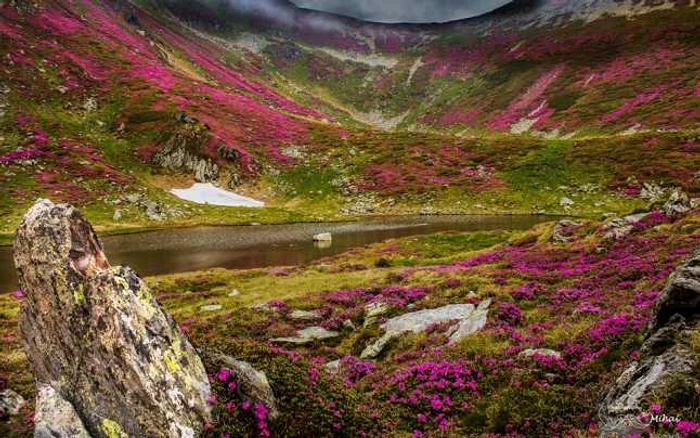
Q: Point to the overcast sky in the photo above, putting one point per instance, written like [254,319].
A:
[404,11]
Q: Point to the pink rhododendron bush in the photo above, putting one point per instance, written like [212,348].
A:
[565,320]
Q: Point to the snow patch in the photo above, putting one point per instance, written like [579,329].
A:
[209,194]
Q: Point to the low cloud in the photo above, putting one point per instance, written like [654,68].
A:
[404,11]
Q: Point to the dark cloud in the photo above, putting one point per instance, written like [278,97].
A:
[404,11]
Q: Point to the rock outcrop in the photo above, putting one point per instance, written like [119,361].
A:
[666,354]
[468,319]
[105,355]
[180,152]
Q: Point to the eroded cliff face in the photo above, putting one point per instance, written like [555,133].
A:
[107,358]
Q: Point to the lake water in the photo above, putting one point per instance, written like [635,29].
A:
[190,249]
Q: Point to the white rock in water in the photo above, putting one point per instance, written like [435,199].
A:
[323,237]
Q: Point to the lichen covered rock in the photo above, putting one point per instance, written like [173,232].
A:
[667,354]
[96,336]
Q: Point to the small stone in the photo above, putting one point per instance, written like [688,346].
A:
[530,352]
[10,403]
[117,215]
[305,315]
[211,307]
[234,293]
[308,336]
[566,202]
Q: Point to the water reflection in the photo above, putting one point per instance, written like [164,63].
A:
[181,250]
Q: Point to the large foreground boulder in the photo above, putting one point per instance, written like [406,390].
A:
[667,356]
[108,360]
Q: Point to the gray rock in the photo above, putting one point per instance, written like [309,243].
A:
[530,352]
[181,152]
[333,366]
[96,335]
[681,294]
[619,228]
[308,336]
[117,215]
[566,202]
[90,105]
[305,315]
[470,325]
[561,231]
[678,203]
[253,384]
[234,293]
[469,320]
[10,403]
[667,355]
[373,311]
[211,307]
[652,192]
[55,416]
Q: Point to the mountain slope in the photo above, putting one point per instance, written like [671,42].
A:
[520,111]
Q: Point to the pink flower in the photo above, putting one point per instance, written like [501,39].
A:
[211,399]
[223,375]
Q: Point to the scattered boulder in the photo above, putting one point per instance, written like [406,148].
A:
[619,228]
[117,215]
[566,202]
[562,231]
[666,354]
[373,311]
[545,352]
[469,320]
[678,203]
[90,105]
[308,336]
[10,403]
[98,340]
[252,384]
[652,192]
[305,315]
[323,237]
[210,307]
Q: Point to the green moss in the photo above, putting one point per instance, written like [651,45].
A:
[112,429]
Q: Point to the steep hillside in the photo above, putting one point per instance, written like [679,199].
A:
[538,108]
